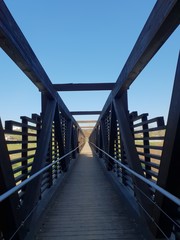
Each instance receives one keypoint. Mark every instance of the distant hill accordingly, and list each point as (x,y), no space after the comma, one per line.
(87,132)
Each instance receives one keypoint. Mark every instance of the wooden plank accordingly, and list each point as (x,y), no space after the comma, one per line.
(88,207)
(163,20)
(86,112)
(169,177)
(9,208)
(84,86)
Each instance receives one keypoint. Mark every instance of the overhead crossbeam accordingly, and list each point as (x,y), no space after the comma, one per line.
(86,113)
(87,121)
(84,86)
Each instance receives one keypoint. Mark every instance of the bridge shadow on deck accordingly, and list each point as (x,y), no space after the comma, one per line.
(87,207)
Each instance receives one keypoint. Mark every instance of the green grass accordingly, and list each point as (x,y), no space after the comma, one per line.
(18,146)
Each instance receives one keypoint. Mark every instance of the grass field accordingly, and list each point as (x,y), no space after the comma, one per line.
(18,155)
(87,132)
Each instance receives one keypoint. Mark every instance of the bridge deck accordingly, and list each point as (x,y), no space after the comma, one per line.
(87,207)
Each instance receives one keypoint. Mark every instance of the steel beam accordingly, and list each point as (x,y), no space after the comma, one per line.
(169,175)
(131,153)
(84,86)
(87,121)
(99,140)
(14,43)
(113,136)
(32,191)
(59,136)
(163,20)
(9,217)
(104,139)
(68,142)
(86,112)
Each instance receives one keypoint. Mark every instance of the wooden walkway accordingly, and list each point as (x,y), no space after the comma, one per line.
(88,207)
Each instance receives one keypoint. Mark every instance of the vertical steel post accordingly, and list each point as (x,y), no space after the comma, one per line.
(131,152)
(32,193)
(9,208)
(112,138)
(169,171)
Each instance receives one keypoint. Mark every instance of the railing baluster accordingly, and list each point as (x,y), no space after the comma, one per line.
(33,189)
(10,208)
(169,176)
(132,156)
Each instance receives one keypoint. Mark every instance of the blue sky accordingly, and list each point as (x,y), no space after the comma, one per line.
(81,41)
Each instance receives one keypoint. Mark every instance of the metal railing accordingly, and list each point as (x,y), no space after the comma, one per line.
(44,140)
(154,185)
(129,137)
(114,131)
(10,192)
(164,192)
(35,175)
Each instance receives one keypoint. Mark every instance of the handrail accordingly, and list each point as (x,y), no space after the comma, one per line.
(25,182)
(158,188)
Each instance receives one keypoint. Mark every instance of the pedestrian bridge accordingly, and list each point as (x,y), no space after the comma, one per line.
(121,182)
(88,207)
